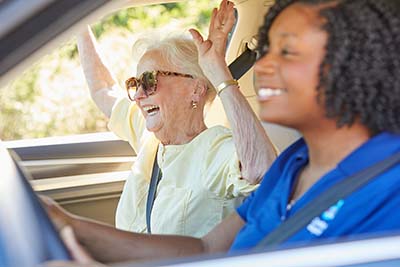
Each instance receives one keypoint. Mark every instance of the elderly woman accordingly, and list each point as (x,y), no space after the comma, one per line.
(331,70)
(205,171)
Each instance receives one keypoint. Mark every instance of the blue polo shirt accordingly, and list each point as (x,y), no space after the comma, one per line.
(374,208)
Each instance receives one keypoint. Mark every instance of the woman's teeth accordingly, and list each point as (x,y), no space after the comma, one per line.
(151,109)
(268,92)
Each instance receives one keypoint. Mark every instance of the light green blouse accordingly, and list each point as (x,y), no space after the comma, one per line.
(201,182)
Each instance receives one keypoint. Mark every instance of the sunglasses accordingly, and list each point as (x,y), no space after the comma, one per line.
(148,82)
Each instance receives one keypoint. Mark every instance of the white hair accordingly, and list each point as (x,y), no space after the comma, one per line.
(178,51)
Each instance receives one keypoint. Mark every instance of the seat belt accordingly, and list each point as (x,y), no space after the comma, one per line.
(151,196)
(324,201)
(238,68)
(245,61)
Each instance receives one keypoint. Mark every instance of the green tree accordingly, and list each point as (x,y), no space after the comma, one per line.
(51,98)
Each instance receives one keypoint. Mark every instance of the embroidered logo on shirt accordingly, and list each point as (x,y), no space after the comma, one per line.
(319,225)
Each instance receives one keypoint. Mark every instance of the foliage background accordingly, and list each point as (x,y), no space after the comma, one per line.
(51,98)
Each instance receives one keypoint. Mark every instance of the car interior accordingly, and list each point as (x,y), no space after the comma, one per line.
(85,173)
(30,244)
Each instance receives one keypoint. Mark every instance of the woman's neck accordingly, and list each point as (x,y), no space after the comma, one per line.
(327,147)
(182,133)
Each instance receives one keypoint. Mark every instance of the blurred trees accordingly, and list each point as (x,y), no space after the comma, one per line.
(51,98)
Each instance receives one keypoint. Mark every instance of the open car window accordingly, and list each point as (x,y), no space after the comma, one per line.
(46,114)
(50,97)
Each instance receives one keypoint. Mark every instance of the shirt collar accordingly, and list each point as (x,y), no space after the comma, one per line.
(375,149)
(301,154)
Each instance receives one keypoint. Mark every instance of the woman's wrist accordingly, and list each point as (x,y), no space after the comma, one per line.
(225,85)
(217,72)
(221,77)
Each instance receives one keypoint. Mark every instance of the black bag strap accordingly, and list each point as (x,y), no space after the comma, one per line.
(151,196)
(325,200)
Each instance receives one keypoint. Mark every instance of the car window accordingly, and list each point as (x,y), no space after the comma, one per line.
(51,97)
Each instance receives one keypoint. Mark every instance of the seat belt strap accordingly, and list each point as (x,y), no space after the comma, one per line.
(325,200)
(151,196)
(238,68)
(245,61)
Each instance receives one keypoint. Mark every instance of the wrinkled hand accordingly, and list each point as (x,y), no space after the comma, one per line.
(212,51)
(58,215)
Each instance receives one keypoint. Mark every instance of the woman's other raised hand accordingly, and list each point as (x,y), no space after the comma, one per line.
(212,50)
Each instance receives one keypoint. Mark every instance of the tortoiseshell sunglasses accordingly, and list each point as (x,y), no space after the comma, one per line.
(148,82)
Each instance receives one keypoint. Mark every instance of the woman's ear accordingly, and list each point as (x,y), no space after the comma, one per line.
(200,90)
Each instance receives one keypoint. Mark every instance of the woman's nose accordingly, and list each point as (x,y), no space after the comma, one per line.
(140,94)
(267,64)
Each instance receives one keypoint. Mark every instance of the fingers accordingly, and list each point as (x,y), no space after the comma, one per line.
(230,19)
(198,39)
(221,23)
(77,252)
(223,4)
(80,256)
(212,21)
(202,46)
(226,16)
(45,199)
(58,215)
(223,18)
(47,202)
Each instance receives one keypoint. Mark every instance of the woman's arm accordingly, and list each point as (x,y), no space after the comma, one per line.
(108,244)
(99,79)
(255,150)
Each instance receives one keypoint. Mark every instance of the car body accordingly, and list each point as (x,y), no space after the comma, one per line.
(86,172)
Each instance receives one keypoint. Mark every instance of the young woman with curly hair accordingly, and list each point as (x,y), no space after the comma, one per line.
(330,69)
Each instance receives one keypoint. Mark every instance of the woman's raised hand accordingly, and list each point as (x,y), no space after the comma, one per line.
(212,51)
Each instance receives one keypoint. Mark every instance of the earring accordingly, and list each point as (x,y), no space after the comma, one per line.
(194,104)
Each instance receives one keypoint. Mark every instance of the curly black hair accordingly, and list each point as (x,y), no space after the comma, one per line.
(362,58)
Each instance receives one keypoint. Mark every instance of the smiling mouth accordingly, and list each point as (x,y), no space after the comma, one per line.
(151,110)
(264,93)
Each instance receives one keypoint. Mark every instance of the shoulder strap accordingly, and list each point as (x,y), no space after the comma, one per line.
(245,61)
(155,179)
(238,67)
(331,196)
